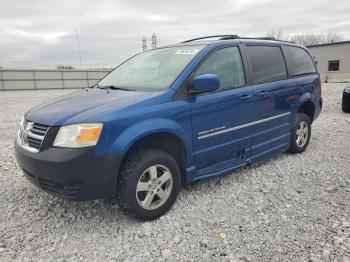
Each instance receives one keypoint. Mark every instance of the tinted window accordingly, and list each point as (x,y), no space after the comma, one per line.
(333,65)
(298,61)
(226,63)
(267,63)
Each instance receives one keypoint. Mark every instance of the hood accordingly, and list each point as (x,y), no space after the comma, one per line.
(82,106)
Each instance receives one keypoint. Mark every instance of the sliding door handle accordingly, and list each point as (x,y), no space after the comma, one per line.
(263,93)
(246,97)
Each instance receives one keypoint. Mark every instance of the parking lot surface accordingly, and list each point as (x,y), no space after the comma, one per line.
(290,208)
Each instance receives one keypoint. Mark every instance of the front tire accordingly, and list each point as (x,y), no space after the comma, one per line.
(149,183)
(300,133)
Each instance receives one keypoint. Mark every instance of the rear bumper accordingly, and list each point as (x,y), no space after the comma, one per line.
(76,174)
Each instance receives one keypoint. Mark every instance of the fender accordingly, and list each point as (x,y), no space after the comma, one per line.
(306,97)
(142,129)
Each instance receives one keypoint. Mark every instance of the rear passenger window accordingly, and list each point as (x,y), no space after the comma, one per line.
(267,63)
(298,61)
(227,64)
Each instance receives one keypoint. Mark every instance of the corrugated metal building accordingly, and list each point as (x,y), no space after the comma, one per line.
(333,61)
(13,79)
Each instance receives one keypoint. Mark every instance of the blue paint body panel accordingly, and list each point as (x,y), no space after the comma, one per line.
(220,131)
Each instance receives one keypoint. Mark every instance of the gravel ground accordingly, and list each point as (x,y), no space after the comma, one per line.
(291,208)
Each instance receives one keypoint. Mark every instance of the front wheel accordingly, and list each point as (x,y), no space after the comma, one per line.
(149,183)
(300,133)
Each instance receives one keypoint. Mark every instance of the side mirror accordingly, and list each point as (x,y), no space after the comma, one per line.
(204,83)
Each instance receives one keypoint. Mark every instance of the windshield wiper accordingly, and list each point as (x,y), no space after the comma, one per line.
(115,88)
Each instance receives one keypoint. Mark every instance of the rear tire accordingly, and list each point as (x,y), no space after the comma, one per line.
(149,183)
(300,133)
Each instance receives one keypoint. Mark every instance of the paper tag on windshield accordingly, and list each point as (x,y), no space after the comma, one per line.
(186,52)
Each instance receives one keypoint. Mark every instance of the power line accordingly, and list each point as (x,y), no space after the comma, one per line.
(154,41)
(144,44)
(76,34)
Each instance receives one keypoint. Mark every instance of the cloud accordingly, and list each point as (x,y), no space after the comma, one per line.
(41,34)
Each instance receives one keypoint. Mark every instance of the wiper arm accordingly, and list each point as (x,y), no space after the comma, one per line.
(115,88)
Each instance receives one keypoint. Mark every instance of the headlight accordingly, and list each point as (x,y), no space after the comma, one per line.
(79,135)
(347,89)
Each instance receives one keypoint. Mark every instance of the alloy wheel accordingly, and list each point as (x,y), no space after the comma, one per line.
(302,134)
(154,187)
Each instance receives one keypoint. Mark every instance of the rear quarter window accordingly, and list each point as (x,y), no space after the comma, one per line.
(267,63)
(298,61)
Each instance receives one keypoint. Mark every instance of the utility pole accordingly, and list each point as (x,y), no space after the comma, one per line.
(154,41)
(78,42)
(144,44)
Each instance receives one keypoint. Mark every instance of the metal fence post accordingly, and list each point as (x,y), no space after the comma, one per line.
(87,78)
(62,79)
(2,80)
(34,79)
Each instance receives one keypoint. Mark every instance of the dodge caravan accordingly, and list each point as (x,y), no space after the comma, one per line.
(171,116)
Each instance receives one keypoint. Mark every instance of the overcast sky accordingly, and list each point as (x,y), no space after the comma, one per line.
(41,33)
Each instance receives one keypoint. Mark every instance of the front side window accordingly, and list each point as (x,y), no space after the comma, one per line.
(267,63)
(154,70)
(227,64)
(298,61)
(333,65)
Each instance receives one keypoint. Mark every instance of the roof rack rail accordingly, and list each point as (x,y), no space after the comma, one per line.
(267,38)
(221,37)
(227,37)
(261,38)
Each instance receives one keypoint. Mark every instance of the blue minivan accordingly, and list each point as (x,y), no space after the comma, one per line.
(171,116)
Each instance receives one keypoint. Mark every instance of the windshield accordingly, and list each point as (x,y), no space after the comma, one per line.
(153,70)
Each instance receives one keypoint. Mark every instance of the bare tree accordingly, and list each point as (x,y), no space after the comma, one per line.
(315,39)
(65,67)
(277,34)
(307,39)
(332,37)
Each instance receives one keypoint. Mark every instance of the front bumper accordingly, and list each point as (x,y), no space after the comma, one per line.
(76,174)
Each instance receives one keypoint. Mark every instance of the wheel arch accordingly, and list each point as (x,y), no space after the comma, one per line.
(165,141)
(306,105)
(162,134)
(308,108)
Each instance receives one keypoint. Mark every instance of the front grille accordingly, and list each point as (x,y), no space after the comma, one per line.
(38,129)
(31,135)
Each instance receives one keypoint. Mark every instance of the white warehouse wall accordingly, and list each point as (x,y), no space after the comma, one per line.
(329,52)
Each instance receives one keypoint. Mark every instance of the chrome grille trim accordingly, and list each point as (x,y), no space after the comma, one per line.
(31,135)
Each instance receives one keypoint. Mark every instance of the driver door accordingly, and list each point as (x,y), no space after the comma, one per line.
(221,136)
